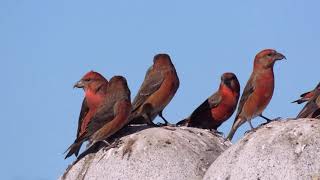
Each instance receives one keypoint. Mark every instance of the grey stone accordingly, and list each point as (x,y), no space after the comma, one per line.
(153,153)
(279,150)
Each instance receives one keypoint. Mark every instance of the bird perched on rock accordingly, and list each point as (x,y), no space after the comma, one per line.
(218,107)
(307,96)
(95,88)
(258,90)
(158,88)
(312,108)
(110,116)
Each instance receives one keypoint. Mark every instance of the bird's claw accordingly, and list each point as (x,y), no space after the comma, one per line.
(161,124)
(275,119)
(216,132)
(272,120)
(251,130)
(166,124)
(112,145)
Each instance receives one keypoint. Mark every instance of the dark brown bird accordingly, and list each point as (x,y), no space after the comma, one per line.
(110,116)
(218,107)
(158,88)
(312,108)
(95,88)
(258,90)
(306,96)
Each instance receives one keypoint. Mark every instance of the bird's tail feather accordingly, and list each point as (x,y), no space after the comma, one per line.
(237,123)
(73,149)
(299,101)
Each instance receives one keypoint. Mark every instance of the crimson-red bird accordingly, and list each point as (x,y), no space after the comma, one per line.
(307,96)
(312,108)
(158,88)
(110,116)
(95,88)
(258,90)
(218,107)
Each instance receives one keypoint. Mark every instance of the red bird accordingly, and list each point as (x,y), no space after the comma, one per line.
(307,96)
(258,90)
(158,88)
(218,107)
(95,87)
(312,108)
(110,116)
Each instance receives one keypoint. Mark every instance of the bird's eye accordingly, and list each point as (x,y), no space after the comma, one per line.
(87,79)
(270,54)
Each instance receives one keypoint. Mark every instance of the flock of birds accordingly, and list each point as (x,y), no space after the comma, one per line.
(107,107)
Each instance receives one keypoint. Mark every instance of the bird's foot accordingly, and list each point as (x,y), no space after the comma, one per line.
(161,124)
(251,131)
(154,125)
(216,132)
(112,145)
(106,142)
(166,124)
(276,119)
(269,121)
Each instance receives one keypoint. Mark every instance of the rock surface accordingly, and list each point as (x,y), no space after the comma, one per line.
(280,150)
(153,153)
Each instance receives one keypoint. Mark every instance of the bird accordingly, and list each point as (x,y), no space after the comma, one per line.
(110,117)
(306,96)
(312,108)
(258,90)
(95,88)
(160,84)
(115,112)
(218,107)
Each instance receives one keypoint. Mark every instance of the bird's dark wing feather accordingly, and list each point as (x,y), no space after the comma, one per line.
(151,83)
(304,94)
(208,104)
(83,112)
(104,115)
(308,110)
(311,109)
(248,90)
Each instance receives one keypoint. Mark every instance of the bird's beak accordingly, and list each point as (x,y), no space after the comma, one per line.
(279,56)
(79,84)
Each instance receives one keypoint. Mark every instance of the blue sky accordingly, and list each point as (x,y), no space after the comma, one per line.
(46,46)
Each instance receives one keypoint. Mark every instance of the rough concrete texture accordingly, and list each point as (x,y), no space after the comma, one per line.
(280,150)
(153,153)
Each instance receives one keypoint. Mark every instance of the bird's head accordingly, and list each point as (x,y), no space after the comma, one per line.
(162,60)
(91,81)
(231,81)
(118,84)
(266,58)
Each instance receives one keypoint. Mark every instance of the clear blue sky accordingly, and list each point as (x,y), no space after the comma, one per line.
(46,46)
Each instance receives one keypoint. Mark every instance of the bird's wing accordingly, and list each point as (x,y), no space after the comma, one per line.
(208,104)
(103,115)
(121,111)
(83,112)
(248,90)
(151,84)
(308,110)
(311,109)
(307,94)
(304,97)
